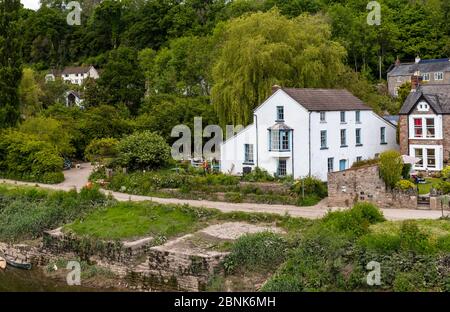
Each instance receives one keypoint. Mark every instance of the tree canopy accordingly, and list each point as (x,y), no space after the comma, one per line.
(259,50)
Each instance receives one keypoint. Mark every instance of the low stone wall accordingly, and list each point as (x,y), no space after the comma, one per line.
(171,269)
(345,188)
(116,251)
(23,253)
(266,187)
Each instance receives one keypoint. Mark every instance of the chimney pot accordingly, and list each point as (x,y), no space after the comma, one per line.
(275,88)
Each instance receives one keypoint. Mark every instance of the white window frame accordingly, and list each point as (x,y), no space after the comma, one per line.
(249,154)
(323,139)
(426,77)
(383,135)
(358,116)
(439,76)
(358,136)
(330,164)
(323,116)
(343,137)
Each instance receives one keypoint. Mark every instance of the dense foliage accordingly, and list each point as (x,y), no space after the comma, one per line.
(26,212)
(334,253)
(143,150)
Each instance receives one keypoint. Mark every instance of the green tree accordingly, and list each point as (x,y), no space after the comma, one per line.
(143,150)
(53,92)
(263,49)
(391,166)
(49,130)
(122,80)
(182,68)
(10,62)
(30,94)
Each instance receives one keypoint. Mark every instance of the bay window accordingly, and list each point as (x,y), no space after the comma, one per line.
(280,140)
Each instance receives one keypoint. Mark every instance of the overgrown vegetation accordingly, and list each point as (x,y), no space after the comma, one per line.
(193,183)
(333,254)
(26,212)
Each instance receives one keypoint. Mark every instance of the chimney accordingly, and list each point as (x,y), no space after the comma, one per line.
(415,82)
(397,62)
(417,59)
(275,88)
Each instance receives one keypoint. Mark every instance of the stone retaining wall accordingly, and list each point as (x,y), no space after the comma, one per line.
(116,251)
(365,184)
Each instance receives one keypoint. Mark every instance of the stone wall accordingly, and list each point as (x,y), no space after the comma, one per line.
(122,252)
(403,134)
(345,188)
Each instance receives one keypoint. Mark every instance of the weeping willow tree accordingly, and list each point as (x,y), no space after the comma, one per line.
(262,49)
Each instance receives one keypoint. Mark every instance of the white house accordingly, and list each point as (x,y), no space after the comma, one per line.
(73,98)
(74,75)
(304,132)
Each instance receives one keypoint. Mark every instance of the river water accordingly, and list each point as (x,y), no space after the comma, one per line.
(13,279)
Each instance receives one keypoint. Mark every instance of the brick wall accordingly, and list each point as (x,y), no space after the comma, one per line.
(345,188)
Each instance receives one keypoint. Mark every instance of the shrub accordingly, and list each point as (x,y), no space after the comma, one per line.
(101,150)
(310,186)
(446,173)
(143,150)
(258,175)
(406,171)
(308,200)
(233,197)
(413,239)
(25,156)
(443,186)
(383,243)
(354,222)
(391,167)
(405,185)
(256,252)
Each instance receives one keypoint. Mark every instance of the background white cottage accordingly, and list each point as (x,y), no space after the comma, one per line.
(304,132)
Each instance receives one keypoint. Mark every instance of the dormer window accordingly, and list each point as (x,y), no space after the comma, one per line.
(423,107)
(280,113)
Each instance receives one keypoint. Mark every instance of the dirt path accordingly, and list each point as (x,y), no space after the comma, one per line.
(77,178)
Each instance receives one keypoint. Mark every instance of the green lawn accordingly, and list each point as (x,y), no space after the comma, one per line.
(425,188)
(128,220)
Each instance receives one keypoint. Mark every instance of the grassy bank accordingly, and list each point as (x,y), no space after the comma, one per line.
(332,255)
(26,212)
(137,219)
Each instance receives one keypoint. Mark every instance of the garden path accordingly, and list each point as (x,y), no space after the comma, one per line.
(77,178)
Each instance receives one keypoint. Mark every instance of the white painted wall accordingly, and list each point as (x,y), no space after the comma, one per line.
(232,152)
(298,158)
(370,125)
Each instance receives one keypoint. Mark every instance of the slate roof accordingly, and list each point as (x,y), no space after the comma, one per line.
(424,66)
(438,96)
(75,70)
(326,99)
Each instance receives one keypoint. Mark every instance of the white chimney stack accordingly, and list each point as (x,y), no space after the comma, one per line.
(417,59)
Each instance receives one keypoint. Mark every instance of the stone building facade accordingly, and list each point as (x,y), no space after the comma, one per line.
(424,127)
(434,71)
(345,188)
